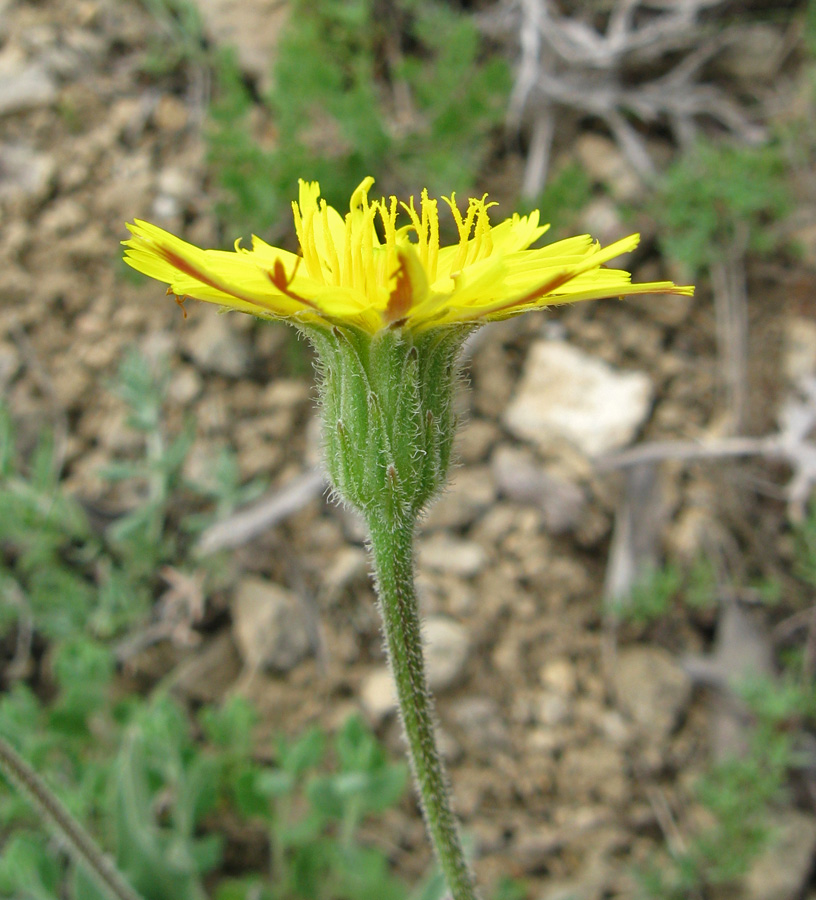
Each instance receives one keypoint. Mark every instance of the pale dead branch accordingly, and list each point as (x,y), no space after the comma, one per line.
(793,444)
(564,61)
(247,524)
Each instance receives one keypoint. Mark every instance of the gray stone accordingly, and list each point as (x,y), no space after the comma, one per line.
(23,85)
(520,478)
(568,397)
(469,494)
(447,647)
(606,164)
(269,626)
(652,689)
(24,172)
(217,347)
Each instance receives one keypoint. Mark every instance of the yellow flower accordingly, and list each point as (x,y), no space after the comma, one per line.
(366,271)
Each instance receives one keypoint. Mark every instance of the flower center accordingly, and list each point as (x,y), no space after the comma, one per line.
(392,267)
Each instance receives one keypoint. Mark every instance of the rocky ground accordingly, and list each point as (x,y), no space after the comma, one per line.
(573,743)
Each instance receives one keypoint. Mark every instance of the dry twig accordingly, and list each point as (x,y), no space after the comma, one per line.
(248,523)
(564,61)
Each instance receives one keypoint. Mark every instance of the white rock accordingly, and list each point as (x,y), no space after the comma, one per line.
(567,396)
(446,651)
(269,626)
(799,353)
(23,85)
(441,553)
(378,695)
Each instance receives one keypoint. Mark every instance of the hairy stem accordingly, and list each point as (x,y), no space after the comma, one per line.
(392,550)
(78,842)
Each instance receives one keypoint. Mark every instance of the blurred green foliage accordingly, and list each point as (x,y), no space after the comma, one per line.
(179,40)
(408,96)
(739,795)
(156,787)
(566,194)
(720,196)
(58,572)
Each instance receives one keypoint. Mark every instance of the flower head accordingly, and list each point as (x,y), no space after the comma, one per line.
(367,270)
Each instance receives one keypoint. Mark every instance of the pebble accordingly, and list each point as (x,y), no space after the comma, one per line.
(595,771)
(208,672)
(251,28)
(602,219)
(23,85)
(481,718)
(605,163)
(217,347)
(559,675)
(652,689)
(24,172)
(568,397)
(62,217)
(348,571)
(474,440)
(441,553)
(470,492)
(175,187)
(9,363)
(378,695)
(269,626)
(520,478)
(447,647)
(185,385)
(799,349)
(553,709)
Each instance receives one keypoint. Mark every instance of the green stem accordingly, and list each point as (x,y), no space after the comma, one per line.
(392,550)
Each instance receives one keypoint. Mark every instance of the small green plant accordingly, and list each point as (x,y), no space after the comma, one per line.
(141,536)
(312,817)
(720,196)
(180,40)
(47,547)
(805,547)
(738,794)
(417,101)
(58,573)
(652,597)
(155,789)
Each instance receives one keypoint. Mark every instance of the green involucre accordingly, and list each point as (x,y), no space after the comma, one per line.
(387,402)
